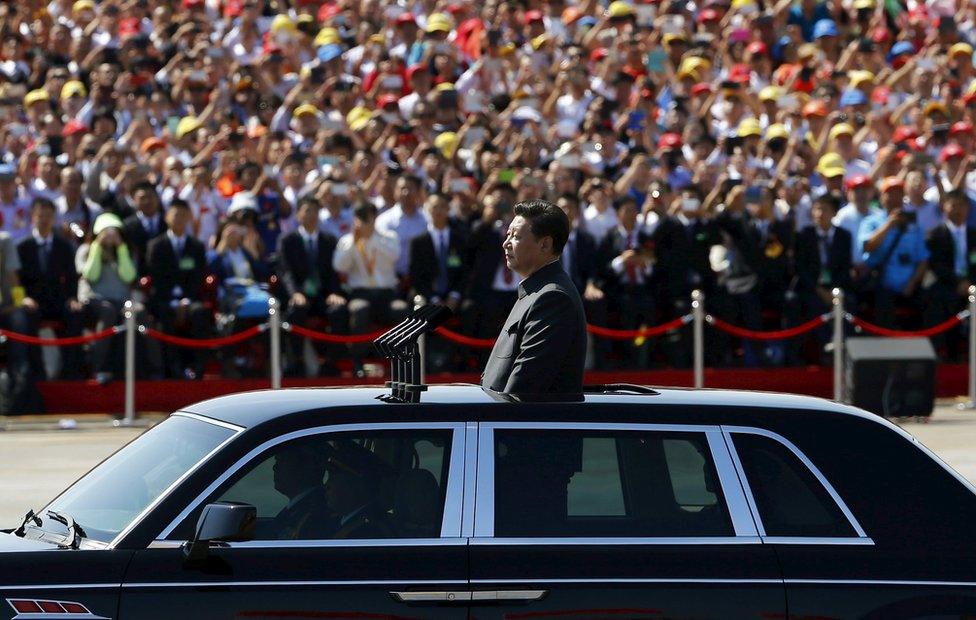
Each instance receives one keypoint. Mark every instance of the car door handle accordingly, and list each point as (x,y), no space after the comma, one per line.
(462,596)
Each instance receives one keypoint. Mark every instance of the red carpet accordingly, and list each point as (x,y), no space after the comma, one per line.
(170,395)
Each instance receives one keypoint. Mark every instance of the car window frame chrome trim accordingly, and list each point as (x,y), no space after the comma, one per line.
(235,433)
(743,523)
(470,482)
(861,535)
(451,520)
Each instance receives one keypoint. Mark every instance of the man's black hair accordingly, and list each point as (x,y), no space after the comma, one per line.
(41,201)
(546,220)
(308,199)
(365,211)
(179,203)
(956,194)
(146,185)
(830,200)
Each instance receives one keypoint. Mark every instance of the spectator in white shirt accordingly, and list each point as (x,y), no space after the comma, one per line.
(405,219)
(599,217)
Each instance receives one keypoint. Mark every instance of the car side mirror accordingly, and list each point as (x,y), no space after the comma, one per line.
(223,521)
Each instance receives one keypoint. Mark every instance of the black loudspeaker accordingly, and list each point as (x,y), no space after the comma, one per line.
(892,377)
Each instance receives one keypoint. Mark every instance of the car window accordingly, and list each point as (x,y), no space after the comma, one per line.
(382,484)
(606,484)
(789,498)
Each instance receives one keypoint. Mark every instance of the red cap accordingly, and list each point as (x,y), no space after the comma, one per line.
(903,133)
(412,70)
(454,8)
(891,183)
(708,15)
(880,34)
(961,127)
(384,100)
(880,95)
(951,150)
(405,18)
(858,180)
(740,73)
(328,11)
(192,4)
(757,48)
(815,107)
(533,16)
(150,144)
(74,127)
(919,13)
(129,27)
(598,54)
(669,141)
(233,8)
(701,87)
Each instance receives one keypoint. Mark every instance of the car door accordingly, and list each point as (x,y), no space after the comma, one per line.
(615,520)
(353,521)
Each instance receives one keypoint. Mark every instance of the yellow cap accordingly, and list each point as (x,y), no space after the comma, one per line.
(619,8)
(72,88)
(749,127)
(807,50)
(857,77)
(738,4)
(187,125)
(863,4)
(770,93)
(674,36)
(446,142)
(935,106)
(841,129)
(539,41)
(831,165)
(444,86)
(282,23)
(687,72)
(379,37)
(36,96)
(82,5)
(305,108)
(964,49)
(777,130)
(327,36)
(357,117)
(438,22)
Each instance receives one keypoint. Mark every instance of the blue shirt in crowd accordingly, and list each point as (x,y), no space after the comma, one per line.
(903,260)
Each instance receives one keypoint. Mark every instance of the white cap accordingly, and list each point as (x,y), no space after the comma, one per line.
(242,201)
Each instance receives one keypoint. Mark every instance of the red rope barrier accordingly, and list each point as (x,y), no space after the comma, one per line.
(877,330)
(60,342)
(480,343)
(204,343)
(780,334)
(335,338)
(644,332)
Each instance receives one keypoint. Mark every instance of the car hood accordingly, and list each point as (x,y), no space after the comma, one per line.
(9,542)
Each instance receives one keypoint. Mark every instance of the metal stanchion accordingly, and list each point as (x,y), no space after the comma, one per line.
(420,302)
(274,324)
(698,315)
(971,403)
(838,343)
(129,313)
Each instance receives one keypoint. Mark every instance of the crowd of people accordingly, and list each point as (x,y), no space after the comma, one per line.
(346,156)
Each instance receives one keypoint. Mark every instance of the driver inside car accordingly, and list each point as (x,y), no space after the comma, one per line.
(298,473)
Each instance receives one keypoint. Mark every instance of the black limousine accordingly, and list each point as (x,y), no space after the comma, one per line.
(630,503)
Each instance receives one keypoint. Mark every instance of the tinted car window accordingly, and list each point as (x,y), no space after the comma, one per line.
(790,499)
(384,484)
(606,484)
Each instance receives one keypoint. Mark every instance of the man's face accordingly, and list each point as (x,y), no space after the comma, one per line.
(145,202)
(957,210)
(406,194)
(308,216)
(439,212)
(42,217)
(524,252)
(894,198)
(821,214)
(71,182)
(177,219)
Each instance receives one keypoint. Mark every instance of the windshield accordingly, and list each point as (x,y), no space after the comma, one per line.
(110,496)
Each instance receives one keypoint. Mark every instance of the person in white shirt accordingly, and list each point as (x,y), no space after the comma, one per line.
(367,257)
(405,219)
(599,218)
(73,208)
(850,216)
(207,205)
(14,205)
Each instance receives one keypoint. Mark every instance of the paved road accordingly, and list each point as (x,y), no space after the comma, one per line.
(35,465)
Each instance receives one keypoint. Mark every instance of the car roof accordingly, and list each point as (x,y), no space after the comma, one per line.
(249,409)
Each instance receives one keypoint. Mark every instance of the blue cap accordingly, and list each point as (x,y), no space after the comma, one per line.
(824,28)
(852,96)
(329,52)
(900,49)
(587,21)
(7,172)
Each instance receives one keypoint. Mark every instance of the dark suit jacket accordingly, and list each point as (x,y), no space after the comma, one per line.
(612,246)
(942,256)
(773,258)
(682,253)
(424,267)
(138,239)
(542,346)
(294,265)
(222,268)
(51,289)
(808,266)
(484,256)
(309,519)
(167,271)
(582,259)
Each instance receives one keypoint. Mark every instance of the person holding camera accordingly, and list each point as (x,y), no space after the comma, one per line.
(894,249)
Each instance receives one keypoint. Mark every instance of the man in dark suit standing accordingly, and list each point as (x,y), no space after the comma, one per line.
(310,285)
(542,346)
(47,273)
(437,269)
(176,262)
(145,225)
(822,263)
(952,267)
